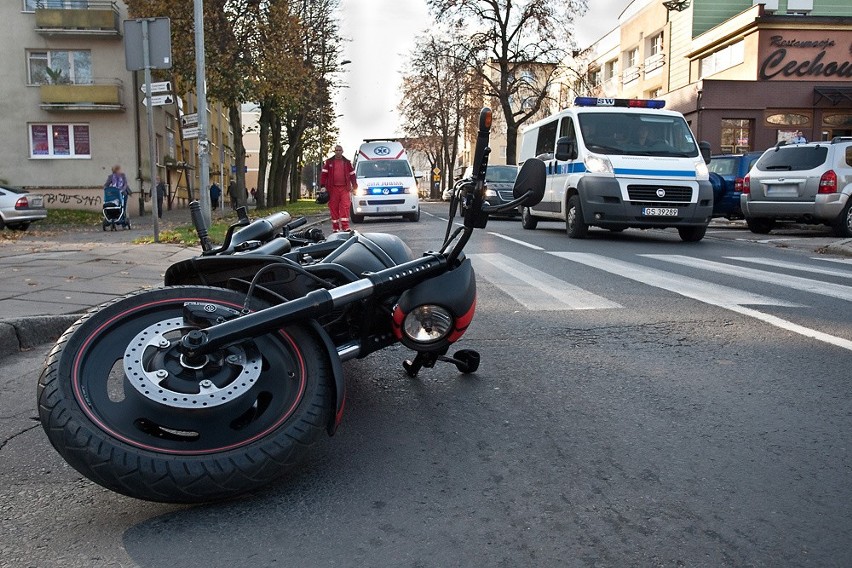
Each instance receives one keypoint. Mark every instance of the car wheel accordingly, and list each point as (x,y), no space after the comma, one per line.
(691,234)
(20,227)
(843,224)
(413,217)
(2,224)
(574,224)
(527,219)
(760,226)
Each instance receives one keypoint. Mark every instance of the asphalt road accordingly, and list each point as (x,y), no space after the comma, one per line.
(689,408)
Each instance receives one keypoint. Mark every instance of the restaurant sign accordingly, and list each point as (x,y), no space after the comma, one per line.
(807,56)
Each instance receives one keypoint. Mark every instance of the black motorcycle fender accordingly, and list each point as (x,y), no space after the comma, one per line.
(339,380)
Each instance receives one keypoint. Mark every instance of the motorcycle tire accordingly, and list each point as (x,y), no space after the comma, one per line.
(123,408)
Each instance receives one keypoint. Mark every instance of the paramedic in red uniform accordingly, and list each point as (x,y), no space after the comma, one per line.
(338,177)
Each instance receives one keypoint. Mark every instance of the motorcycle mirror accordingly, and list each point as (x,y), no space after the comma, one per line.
(532,177)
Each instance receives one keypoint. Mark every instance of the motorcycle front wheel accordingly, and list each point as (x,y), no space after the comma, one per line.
(123,406)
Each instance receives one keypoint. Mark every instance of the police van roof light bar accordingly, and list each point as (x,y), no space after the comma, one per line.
(631,103)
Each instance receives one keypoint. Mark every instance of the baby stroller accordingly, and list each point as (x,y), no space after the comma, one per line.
(115,209)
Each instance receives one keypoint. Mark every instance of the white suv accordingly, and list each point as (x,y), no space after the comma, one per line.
(805,183)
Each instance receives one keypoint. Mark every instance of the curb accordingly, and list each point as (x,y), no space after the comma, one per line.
(21,334)
(843,247)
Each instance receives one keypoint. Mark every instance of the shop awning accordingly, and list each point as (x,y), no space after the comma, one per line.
(835,95)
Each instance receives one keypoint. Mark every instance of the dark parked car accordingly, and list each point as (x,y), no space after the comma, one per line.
(729,170)
(18,208)
(499,181)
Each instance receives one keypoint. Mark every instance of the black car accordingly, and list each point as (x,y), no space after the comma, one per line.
(726,175)
(499,181)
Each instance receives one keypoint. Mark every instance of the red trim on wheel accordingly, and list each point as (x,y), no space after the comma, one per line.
(78,394)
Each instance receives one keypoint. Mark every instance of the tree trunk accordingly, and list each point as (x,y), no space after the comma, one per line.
(264,124)
(236,117)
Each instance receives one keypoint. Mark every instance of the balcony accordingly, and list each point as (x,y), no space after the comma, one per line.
(77,18)
(100,96)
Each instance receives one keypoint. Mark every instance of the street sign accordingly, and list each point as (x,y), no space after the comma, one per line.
(159,100)
(189,119)
(436,171)
(159,42)
(191,132)
(161,87)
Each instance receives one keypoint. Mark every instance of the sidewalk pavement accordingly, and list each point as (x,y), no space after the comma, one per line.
(48,278)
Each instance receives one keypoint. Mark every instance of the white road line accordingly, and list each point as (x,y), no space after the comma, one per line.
(516,241)
(838,260)
(793,266)
(795,282)
(715,294)
(795,328)
(535,290)
(692,288)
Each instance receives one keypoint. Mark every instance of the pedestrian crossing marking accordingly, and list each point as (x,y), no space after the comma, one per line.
(809,268)
(795,282)
(534,289)
(707,292)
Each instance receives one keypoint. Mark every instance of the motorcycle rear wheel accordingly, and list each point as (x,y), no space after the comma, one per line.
(123,408)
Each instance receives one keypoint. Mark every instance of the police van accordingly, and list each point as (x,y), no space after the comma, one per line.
(386,184)
(620,163)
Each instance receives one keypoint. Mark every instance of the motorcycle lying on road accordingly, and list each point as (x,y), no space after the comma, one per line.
(218,382)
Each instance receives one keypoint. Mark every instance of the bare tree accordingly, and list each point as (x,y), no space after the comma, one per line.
(438,98)
(515,49)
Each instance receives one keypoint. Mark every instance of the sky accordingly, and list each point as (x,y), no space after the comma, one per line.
(380,36)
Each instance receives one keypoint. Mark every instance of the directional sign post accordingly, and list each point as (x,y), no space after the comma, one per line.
(190,132)
(159,100)
(152,39)
(161,87)
(189,120)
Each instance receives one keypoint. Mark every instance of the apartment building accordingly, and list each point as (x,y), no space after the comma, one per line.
(70,110)
(745,73)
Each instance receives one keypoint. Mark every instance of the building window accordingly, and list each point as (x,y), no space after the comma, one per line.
(655,44)
(723,59)
(595,77)
(610,69)
(788,119)
(736,135)
(655,58)
(59,141)
(59,67)
(631,65)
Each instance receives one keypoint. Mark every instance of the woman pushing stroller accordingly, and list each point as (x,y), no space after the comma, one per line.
(116,191)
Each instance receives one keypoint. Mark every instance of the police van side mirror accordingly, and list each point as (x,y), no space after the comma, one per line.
(566,149)
(705,149)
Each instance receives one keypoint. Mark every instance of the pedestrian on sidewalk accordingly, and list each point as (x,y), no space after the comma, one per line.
(215,194)
(161,195)
(338,178)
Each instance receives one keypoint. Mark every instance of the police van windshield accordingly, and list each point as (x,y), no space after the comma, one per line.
(382,169)
(638,134)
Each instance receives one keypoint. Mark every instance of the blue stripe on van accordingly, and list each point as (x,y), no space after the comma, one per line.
(661,173)
(572,168)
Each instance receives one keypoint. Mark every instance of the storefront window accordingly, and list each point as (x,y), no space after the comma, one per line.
(837,120)
(788,119)
(736,135)
(59,141)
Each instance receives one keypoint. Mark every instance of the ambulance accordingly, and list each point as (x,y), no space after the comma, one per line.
(386,184)
(620,163)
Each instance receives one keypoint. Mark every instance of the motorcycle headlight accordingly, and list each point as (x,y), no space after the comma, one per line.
(427,324)
(596,164)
